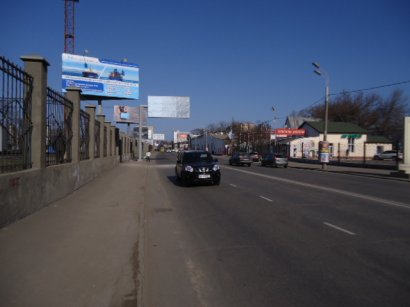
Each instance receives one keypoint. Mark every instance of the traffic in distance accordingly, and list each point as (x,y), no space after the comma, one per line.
(389,155)
(199,166)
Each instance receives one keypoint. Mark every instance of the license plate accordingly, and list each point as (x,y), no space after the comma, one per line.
(204,176)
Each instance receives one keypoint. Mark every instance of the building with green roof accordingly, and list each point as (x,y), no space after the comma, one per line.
(346,140)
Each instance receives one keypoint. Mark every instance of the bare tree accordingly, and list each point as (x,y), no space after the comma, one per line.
(380,116)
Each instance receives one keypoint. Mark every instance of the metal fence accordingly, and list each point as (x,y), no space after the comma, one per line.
(15,117)
(84,135)
(97,139)
(59,131)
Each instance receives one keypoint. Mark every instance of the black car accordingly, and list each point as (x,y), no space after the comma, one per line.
(274,159)
(240,158)
(197,166)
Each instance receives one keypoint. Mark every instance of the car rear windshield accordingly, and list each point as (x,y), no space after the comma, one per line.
(280,156)
(195,157)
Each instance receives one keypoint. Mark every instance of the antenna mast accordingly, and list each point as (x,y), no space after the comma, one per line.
(69,6)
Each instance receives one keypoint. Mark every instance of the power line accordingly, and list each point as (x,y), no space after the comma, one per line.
(360,90)
(374,88)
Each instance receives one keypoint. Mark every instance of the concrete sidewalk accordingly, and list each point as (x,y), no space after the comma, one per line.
(81,250)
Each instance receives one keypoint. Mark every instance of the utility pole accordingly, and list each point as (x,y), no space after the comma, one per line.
(324,149)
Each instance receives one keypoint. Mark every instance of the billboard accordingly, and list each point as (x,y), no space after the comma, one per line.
(144,135)
(158,137)
(101,78)
(130,115)
(147,132)
(180,137)
(288,132)
(168,106)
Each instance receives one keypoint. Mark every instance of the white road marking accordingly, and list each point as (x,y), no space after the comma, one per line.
(339,228)
(265,198)
(322,188)
(233,185)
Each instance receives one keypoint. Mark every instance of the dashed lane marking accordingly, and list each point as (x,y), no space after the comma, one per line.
(339,228)
(327,189)
(265,198)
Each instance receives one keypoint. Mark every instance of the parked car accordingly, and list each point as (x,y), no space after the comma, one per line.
(197,166)
(388,155)
(254,156)
(240,158)
(274,159)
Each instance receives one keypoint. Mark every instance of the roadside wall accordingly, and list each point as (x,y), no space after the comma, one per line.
(23,193)
(90,144)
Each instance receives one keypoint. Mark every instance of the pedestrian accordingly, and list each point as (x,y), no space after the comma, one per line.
(148,156)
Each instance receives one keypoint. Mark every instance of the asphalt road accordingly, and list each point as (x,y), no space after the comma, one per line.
(275,237)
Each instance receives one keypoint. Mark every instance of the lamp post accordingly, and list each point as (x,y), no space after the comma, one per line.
(206,139)
(274,129)
(321,72)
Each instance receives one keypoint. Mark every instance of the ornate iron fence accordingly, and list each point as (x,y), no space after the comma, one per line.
(59,130)
(16,88)
(84,135)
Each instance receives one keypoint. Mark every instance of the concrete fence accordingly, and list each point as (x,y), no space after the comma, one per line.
(95,146)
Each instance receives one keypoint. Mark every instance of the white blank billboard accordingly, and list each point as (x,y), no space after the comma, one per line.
(168,106)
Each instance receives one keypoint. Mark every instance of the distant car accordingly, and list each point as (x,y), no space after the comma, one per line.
(240,158)
(388,155)
(275,160)
(254,156)
(197,166)
(169,150)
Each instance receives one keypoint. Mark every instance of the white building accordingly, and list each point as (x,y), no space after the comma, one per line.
(216,144)
(346,141)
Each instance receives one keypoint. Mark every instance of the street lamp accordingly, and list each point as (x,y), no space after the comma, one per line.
(321,72)
(274,129)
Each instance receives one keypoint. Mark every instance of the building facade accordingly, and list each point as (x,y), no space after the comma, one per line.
(217,144)
(346,140)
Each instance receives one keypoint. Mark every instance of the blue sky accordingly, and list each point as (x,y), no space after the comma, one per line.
(235,59)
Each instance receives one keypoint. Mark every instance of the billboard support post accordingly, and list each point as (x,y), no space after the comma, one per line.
(99,110)
(139,135)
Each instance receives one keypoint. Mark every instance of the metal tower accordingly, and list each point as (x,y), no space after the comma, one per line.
(69,26)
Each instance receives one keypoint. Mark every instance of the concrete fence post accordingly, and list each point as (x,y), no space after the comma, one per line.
(101,118)
(113,151)
(37,67)
(107,125)
(91,146)
(73,94)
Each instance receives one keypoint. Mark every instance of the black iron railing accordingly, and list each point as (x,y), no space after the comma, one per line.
(84,135)
(16,88)
(58,128)
(97,139)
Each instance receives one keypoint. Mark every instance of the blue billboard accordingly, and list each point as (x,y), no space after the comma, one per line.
(101,78)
